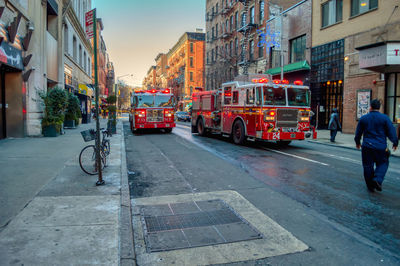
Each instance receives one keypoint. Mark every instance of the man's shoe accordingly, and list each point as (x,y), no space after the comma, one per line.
(371,188)
(377,185)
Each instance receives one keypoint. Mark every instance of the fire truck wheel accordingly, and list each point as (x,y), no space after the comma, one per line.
(200,127)
(238,132)
(283,143)
(167,130)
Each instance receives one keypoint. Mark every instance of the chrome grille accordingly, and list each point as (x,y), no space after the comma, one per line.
(154,115)
(287,118)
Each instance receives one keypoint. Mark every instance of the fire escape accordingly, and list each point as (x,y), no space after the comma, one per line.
(245,29)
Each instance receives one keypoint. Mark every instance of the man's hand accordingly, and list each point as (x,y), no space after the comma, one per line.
(394,148)
(358,146)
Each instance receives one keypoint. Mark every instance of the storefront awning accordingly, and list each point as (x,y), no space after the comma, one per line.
(298,66)
(85,90)
(383,57)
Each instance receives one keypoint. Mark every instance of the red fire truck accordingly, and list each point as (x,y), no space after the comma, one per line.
(152,109)
(254,108)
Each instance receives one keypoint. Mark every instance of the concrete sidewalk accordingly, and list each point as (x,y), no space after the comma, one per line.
(343,140)
(67,220)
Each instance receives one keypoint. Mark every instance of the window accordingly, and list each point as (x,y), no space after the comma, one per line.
(191,47)
(231,23)
(80,55)
(298,49)
(227,95)
(235,97)
(236,46)
(212,55)
(84,61)
(216,8)
(362,6)
(216,52)
(212,31)
(331,12)
(89,66)
(207,58)
(251,52)
(230,48)
(274,96)
(243,19)
(66,39)
(261,11)
(250,96)
(274,58)
(191,76)
(216,31)
(393,97)
(298,97)
(260,48)
(191,61)
(74,49)
(252,15)
(236,20)
(226,50)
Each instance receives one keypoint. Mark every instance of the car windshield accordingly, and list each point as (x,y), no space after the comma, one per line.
(144,101)
(164,101)
(274,96)
(298,97)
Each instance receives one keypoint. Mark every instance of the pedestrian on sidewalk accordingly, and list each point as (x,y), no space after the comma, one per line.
(375,127)
(334,124)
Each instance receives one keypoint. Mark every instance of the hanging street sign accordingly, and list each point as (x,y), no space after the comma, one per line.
(89,29)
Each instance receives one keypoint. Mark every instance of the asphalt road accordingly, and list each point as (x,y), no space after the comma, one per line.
(315,191)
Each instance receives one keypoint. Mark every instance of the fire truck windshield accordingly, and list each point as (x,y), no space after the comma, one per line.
(164,101)
(298,97)
(144,101)
(274,96)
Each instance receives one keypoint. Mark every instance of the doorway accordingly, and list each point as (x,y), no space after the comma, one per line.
(331,97)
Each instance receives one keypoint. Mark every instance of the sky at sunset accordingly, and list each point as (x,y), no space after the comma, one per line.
(135,31)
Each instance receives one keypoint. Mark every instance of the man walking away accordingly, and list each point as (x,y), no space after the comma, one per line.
(375,127)
(334,124)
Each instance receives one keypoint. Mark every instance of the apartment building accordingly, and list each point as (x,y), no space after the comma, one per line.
(78,55)
(161,70)
(355,57)
(149,82)
(233,30)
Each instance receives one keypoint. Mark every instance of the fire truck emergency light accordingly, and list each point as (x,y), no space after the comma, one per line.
(166,91)
(263,80)
(298,82)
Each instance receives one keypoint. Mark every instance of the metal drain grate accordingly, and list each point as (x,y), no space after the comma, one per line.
(193,224)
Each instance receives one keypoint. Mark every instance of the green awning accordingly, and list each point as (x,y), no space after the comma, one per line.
(301,65)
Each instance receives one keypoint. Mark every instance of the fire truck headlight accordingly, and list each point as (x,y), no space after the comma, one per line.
(140,113)
(269,116)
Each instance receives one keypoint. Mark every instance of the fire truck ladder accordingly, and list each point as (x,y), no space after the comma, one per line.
(245,31)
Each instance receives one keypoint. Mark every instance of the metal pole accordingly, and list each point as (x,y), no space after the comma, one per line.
(281,44)
(100,180)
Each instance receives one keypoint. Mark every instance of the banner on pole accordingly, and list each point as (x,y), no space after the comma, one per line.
(89,20)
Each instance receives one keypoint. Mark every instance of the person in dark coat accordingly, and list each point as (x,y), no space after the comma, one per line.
(374,128)
(334,124)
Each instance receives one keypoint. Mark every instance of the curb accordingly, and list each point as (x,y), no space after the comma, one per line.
(126,248)
(339,146)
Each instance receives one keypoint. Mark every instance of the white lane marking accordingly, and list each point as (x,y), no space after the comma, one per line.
(296,156)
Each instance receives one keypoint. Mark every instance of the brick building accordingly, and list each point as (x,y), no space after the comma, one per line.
(161,70)
(149,81)
(354,59)
(186,65)
(232,37)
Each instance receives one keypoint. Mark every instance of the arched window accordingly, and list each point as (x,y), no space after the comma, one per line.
(66,38)
(74,48)
(80,55)
(84,61)
(89,71)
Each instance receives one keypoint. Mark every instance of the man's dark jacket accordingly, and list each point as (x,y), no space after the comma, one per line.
(375,127)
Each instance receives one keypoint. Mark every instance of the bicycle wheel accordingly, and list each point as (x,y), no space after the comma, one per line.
(87,160)
(106,147)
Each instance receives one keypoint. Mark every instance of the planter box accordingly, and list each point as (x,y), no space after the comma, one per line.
(50,131)
(69,124)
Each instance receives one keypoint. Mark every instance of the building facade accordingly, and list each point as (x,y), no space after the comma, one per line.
(149,81)
(354,59)
(233,30)
(161,70)
(78,55)
(186,65)
(31,62)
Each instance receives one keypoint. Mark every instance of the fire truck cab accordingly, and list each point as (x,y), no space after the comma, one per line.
(255,108)
(152,109)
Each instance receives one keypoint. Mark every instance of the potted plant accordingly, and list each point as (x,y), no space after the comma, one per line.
(55,102)
(112,114)
(73,112)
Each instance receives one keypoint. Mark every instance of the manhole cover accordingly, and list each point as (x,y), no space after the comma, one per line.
(193,224)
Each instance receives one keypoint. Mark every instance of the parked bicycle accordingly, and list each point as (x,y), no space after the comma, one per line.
(87,157)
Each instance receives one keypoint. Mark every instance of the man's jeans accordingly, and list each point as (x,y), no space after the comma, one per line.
(333,135)
(371,157)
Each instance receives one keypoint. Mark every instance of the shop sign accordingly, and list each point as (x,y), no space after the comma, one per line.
(388,54)
(89,20)
(10,53)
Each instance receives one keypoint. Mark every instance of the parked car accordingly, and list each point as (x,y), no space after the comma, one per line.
(182,116)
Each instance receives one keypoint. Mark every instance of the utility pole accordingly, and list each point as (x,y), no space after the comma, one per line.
(281,17)
(100,180)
